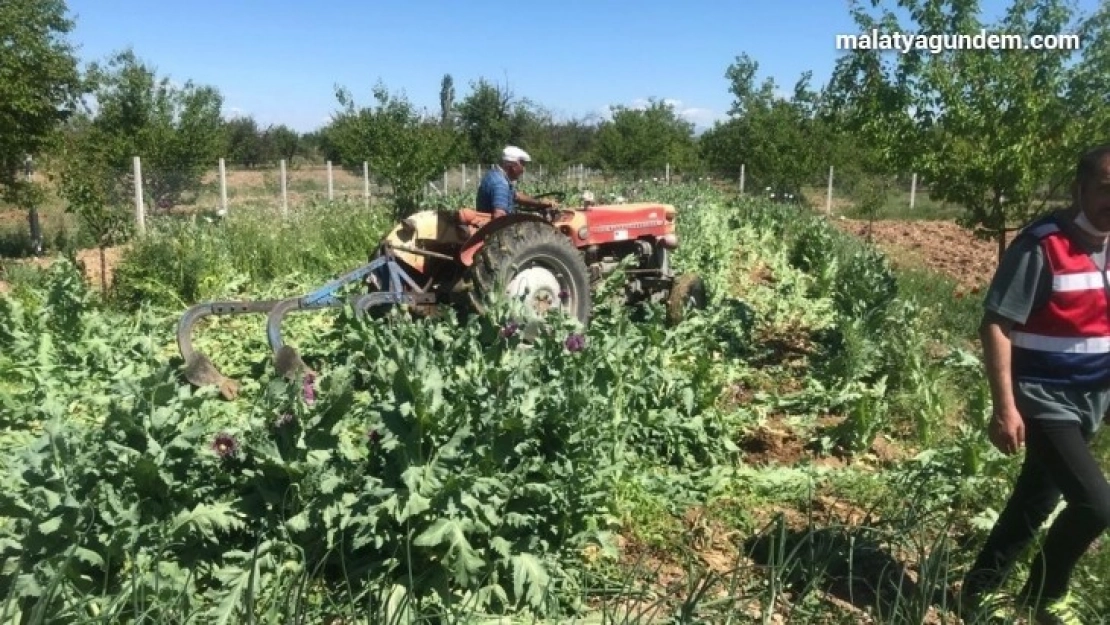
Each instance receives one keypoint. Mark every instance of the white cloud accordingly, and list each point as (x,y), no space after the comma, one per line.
(700,116)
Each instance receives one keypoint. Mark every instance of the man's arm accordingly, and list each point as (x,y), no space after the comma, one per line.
(1020,286)
(1006,429)
(531,202)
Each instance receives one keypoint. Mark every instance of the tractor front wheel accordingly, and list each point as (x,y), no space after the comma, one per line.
(687,293)
(534,262)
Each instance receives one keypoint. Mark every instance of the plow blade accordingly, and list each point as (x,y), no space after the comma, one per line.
(200,371)
(287,361)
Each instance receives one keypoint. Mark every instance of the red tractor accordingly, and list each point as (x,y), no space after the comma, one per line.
(548,258)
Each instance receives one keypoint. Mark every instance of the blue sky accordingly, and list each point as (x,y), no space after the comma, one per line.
(280,60)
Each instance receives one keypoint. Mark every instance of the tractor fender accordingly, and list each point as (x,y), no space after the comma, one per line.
(478,239)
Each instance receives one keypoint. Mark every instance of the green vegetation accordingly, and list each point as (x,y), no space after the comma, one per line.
(814,434)
(392,139)
(993,131)
(39,81)
(810,446)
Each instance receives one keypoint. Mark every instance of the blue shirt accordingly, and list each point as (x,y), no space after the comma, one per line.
(495,192)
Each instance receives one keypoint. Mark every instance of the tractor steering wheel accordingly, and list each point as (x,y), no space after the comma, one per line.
(560,196)
(548,213)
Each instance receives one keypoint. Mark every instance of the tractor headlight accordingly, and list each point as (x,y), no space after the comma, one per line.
(669,241)
(583,233)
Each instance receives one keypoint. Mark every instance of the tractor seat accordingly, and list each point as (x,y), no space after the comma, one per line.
(473,217)
(470,220)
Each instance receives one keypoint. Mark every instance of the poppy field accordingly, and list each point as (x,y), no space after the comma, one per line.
(809,448)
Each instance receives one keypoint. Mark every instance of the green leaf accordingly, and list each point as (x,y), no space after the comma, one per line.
(207,519)
(298,523)
(529,571)
(50,526)
(440,531)
(27,586)
(415,505)
(330,483)
(501,546)
(88,556)
(461,558)
(688,400)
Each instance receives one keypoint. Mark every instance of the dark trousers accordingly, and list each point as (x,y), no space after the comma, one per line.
(1058,462)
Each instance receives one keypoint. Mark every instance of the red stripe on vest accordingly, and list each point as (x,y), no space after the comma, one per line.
(1079,313)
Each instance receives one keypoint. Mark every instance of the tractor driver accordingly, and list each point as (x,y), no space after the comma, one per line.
(497,193)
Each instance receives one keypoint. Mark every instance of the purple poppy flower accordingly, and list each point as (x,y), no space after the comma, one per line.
(309,389)
(374,437)
(283,420)
(509,329)
(225,445)
(575,343)
(564,296)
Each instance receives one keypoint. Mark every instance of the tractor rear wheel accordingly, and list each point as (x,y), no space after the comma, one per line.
(532,261)
(687,292)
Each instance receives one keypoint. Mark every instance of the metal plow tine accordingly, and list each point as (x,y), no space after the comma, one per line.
(363,303)
(200,371)
(287,361)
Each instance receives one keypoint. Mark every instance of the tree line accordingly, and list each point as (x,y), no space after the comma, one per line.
(994,131)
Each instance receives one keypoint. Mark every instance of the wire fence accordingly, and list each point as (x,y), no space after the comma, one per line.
(146,191)
(224,189)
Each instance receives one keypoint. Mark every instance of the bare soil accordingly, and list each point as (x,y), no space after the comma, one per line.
(857,572)
(88,259)
(941,246)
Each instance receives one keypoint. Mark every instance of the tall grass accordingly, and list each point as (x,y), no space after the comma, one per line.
(182,261)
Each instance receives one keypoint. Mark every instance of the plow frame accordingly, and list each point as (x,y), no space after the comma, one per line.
(199,369)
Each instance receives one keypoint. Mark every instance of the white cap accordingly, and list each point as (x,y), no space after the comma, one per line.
(514,154)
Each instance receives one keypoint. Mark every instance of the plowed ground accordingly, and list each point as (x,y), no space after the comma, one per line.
(940,246)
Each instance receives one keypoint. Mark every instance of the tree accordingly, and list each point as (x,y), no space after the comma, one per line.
(284,142)
(245,143)
(571,139)
(530,127)
(399,144)
(485,116)
(447,100)
(870,104)
(39,86)
(780,141)
(995,131)
(177,131)
(640,141)
(90,189)
(318,145)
